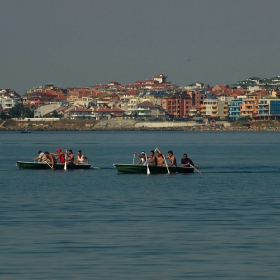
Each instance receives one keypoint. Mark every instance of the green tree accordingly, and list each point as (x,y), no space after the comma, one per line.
(55,114)
(3,116)
(19,111)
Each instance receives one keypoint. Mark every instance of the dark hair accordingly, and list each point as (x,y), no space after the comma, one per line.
(152,151)
(46,152)
(70,151)
(79,151)
(170,152)
(185,155)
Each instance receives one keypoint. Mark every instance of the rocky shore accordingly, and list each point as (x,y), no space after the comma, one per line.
(132,125)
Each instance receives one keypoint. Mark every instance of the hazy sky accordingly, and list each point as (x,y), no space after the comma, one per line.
(84,42)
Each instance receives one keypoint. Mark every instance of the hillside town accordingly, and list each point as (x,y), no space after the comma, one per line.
(154,99)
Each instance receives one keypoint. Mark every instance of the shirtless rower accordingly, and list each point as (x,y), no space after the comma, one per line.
(152,159)
(50,159)
(160,158)
(172,159)
(70,157)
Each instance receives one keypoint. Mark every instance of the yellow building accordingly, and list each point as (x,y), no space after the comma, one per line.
(214,108)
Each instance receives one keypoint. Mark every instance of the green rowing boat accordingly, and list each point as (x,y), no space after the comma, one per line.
(44,165)
(142,169)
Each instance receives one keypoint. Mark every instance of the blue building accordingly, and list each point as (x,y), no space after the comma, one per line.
(234,109)
(268,108)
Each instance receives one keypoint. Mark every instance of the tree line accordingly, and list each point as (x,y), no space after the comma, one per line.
(18,111)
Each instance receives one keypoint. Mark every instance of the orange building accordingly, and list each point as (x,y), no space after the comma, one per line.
(250,105)
(182,104)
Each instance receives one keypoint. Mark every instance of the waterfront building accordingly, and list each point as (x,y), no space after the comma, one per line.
(234,108)
(182,104)
(80,114)
(249,107)
(147,109)
(8,99)
(214,108)
(269,108)
(104,113)
(43,110)
(178,105)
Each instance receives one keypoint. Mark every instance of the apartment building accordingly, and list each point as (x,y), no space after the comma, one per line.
(269,108)
(214,108)
(249,107)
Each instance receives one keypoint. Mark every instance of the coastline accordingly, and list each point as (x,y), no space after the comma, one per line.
(132,125)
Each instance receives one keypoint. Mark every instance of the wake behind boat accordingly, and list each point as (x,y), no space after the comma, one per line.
(142,169)
(44,165)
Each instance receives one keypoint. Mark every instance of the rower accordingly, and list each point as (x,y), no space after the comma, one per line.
(81,158)
(152,159)
(142,157)
(172,159)
(187,162)
(50,158)
(40,157)
(70,157)
(160,158)
(60,155)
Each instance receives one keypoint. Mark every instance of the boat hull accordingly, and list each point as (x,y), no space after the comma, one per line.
(43,165)
(142,169)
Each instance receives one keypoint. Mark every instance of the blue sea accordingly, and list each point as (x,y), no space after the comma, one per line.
(223,223)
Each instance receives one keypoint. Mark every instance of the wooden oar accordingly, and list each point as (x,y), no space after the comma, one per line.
(48,164)
(148,169)
(195,168)
(65,163)
(166,164)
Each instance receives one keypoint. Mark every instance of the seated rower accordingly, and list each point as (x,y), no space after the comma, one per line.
(81,158)
(60,155)
(50,159)
(172,159)
(41,156)
(186,162)
(142,157)
(70,157)
(160,158)
(152,159)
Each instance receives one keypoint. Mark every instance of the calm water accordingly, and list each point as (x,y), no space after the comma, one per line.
(97,224)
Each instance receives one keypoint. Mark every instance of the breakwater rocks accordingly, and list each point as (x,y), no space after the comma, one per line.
(132,125)
(67,125)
